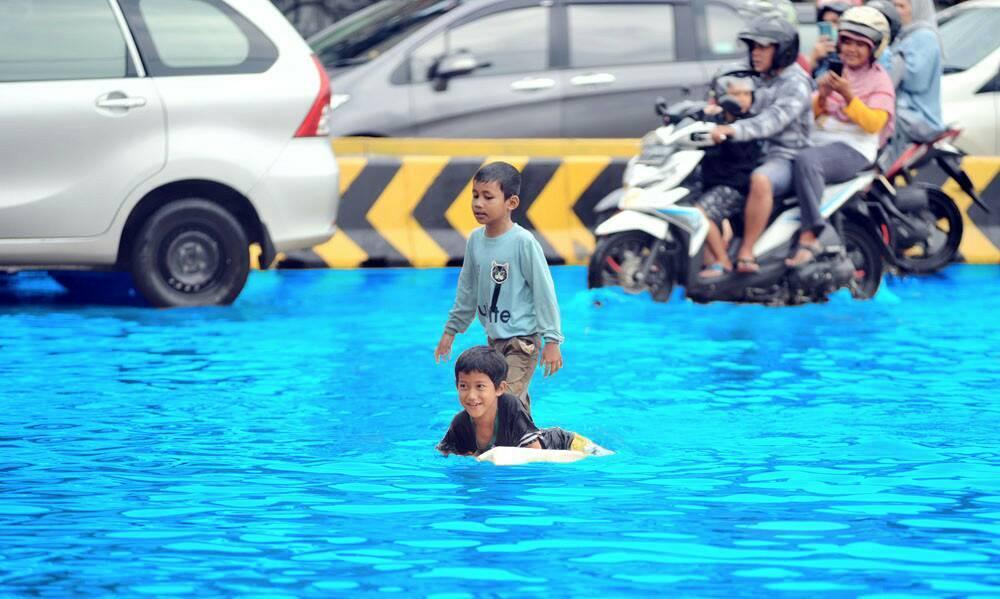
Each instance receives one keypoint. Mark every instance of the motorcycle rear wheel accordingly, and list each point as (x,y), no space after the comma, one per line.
(947,231)
(619,257)
(865,253)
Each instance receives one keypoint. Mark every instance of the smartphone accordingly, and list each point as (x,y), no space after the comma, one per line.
(826,28)
(836,65)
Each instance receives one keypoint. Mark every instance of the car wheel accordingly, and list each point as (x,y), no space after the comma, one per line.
(190,252)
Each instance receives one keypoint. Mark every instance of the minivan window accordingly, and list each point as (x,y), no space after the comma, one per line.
(45,40)
(369,32)
(724,25)
(197,37)
(968,37)
(512,41)
(620,34)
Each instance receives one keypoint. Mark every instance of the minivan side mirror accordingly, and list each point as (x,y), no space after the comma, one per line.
(454,65)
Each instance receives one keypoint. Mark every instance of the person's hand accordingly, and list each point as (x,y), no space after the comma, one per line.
(443,351)
(712,109)
(551,358)
(840,85)
(823,85)
(824,46)
(721,133)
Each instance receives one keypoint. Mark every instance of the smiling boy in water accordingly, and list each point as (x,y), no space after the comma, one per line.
(506,280)
(491,417)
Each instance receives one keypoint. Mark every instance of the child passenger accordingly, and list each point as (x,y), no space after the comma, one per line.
(726,168)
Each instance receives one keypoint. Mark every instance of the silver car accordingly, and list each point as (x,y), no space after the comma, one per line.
(162,137)
(521,68)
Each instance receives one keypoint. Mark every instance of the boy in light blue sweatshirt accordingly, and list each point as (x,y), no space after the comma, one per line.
(506,281)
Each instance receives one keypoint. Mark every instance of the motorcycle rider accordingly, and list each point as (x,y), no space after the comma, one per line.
(853,117)
(783,121)
(726,168)
(915,68)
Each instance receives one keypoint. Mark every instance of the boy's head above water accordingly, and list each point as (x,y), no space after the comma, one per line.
(480,377)
(495,190)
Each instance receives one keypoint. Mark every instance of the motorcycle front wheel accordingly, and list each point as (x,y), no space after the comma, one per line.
(940,248)
(620,260)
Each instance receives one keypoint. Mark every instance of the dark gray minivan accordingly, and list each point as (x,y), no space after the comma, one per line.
(521,68)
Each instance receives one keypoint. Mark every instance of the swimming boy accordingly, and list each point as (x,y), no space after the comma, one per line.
(506,281)
(491,417)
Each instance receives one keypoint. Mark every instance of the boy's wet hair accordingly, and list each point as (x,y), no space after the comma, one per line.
(504,175)
(485,360)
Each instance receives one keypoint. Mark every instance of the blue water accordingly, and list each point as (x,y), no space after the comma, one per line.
(284,446)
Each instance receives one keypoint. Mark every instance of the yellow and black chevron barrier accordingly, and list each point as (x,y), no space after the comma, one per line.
(399,207)
(407,202)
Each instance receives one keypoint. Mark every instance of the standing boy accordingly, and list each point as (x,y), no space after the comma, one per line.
(506,281)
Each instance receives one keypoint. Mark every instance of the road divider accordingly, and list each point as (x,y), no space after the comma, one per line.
(407,202)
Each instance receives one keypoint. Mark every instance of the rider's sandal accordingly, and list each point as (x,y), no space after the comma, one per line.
(806,253)
(714,271)
(747,265)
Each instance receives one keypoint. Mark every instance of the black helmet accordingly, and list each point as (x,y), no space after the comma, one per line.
(766,31)
(888,10)
(835,6)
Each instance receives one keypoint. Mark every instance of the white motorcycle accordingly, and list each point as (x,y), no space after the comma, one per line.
(655,238)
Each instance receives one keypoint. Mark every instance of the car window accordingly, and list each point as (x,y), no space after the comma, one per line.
(620,34)
(372,31)
(60,39)
(508,42)
(723,25)
(197,37)
(968,37)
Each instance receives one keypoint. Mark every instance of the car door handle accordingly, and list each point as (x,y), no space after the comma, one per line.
(593,79)
(532,84)
(120,100)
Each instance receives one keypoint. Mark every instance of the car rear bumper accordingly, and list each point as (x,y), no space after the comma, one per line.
(301,193)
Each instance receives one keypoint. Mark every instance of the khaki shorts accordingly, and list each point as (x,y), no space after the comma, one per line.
(522,359)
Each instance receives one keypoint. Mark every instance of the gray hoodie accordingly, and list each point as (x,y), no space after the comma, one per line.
(783,108)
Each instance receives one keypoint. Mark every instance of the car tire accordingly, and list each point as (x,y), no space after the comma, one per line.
(190,252)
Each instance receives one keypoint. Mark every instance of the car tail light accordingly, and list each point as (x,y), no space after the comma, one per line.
(317,123)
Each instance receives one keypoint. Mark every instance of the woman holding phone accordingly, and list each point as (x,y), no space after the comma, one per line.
(853,116)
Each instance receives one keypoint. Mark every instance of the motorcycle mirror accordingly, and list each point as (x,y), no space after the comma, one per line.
(661,106)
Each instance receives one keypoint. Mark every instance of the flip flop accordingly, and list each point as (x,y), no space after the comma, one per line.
(747,265)
(714,271)
(812,250)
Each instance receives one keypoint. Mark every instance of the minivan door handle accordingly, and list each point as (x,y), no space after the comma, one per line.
(593,79)
(120,100)
(532,84)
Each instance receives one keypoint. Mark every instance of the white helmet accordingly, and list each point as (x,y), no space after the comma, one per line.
(867,23)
